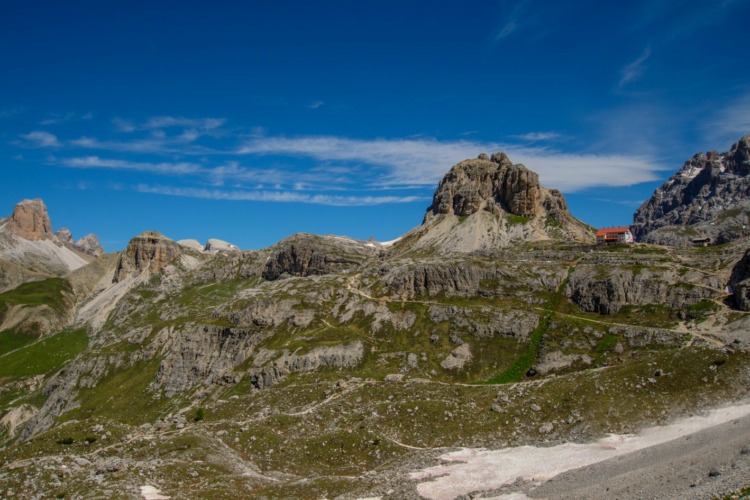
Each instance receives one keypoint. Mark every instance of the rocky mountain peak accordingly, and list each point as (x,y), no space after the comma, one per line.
(149,251)
(490,202)
(90,245)
(30,220)
(496,185)
(708,197)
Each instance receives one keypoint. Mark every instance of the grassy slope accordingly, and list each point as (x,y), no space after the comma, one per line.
(311,427)
(46,356)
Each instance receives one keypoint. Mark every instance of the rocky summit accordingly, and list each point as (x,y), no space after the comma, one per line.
(30,250)
(331,367)
(707,198)
(490,202)
(30,220)
(149,251)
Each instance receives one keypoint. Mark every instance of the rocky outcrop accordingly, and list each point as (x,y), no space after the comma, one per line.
(497,186)
(310,255)
(460,278)
(273,366)
(29,250)
(89,244)
(214,246)
(489,203)
(64,236)
(30,220)
(606,289)
(17,417)
(149,251)
(708,197)
(491,185)
(201,354)
(740,283)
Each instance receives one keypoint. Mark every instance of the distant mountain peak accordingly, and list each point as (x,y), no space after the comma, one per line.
(30,220)
(708,197)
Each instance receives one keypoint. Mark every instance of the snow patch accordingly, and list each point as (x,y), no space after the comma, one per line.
(691,173)
(481,469)
(149,492)
(390,243)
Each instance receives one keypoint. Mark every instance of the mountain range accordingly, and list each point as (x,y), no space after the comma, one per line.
(325,366)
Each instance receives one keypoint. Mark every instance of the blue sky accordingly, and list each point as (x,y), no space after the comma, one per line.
(249,121)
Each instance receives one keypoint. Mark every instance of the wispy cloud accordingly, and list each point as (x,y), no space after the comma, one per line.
(158,143)
(217,175)
(179,121)
(278,196)
(730,122)
(538,136)
(315,104)
(680,18)
(424,161)
(511,22)
(108,163)
(634,70)
(56,118)
(167,122)
(123,125)
(6,113)
(41,139)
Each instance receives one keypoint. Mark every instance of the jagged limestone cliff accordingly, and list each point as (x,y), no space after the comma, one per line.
(708,197)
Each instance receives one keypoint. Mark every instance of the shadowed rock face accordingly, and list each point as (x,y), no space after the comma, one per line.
(30,220)
(740,283)
(709,195)
(149,251)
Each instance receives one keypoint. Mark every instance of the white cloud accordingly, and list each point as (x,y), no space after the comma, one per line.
(123,125)
(422,162)
(277,196)
(106,163)
(635,69)
(538,136)
(58,118)
(42,139)
(315,104)
(179,121)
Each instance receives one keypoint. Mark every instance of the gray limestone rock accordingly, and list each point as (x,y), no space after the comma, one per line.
(740,283)
(707,197)
(273,366)
(149,251)
(310,255)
